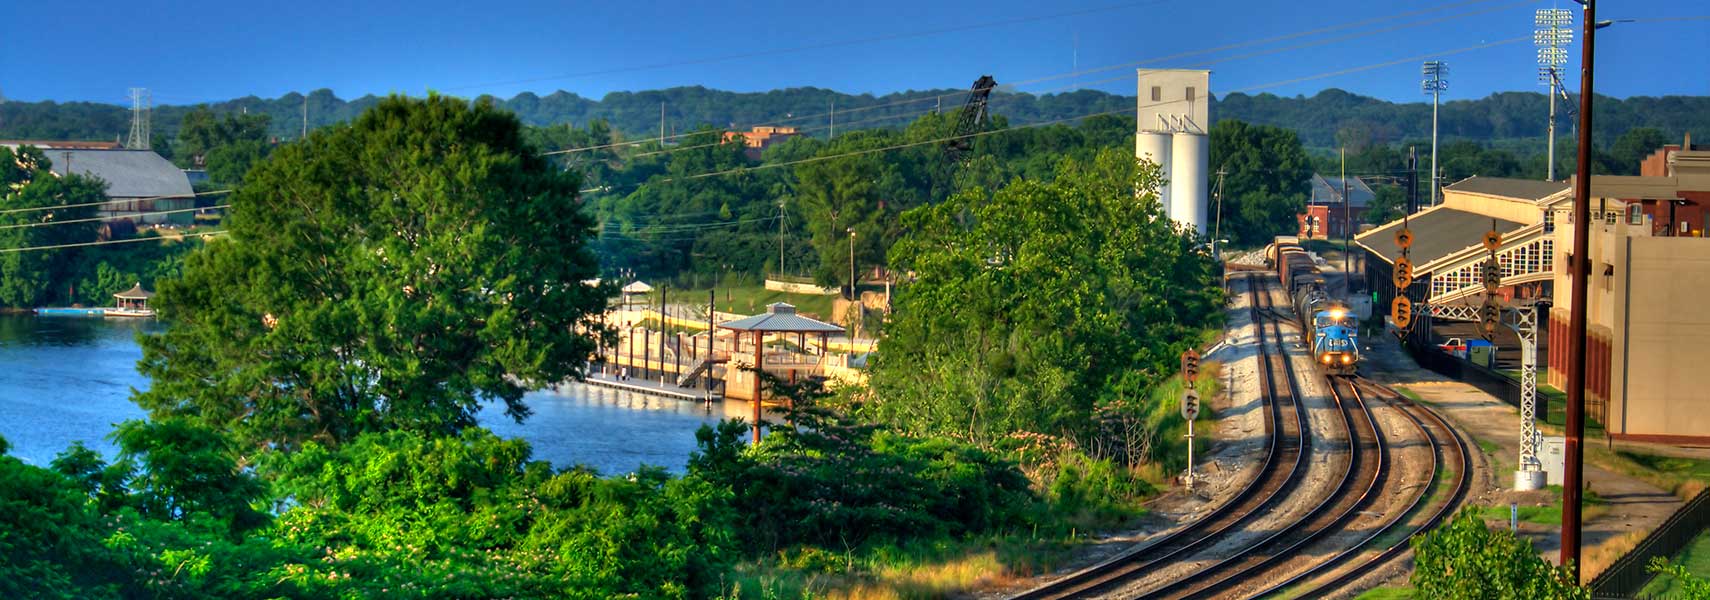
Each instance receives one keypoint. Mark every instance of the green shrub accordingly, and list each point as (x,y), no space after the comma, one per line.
(1466,559)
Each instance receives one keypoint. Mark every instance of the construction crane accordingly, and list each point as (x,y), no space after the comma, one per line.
(972,118)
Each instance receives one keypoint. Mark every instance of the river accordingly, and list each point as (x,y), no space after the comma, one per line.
(69,379)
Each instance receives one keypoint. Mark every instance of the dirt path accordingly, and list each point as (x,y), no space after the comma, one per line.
(1633,507)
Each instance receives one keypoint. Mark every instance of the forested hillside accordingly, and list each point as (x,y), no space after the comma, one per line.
(1507,119)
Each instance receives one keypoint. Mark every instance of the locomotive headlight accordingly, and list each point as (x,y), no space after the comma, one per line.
(1324,359)
(1347,359)
(1337,314)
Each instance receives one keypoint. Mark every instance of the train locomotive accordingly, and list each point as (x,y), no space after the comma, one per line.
(1326,321)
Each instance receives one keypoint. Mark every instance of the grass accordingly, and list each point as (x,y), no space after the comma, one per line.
(1550,514)
(752,299)
(1410,394)
(1696,559)
(925,570)
(1685,477)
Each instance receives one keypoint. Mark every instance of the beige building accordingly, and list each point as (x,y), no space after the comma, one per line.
(1646,322)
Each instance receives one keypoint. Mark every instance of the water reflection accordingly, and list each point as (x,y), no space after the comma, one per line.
(68,379)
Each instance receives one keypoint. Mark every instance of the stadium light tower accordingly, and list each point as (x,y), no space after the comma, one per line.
(1554,31)
(1434,84)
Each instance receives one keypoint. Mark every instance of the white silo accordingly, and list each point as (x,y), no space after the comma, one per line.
(1155,147)
(1174,104)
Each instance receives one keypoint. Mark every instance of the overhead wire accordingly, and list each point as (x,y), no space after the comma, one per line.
(83,204)
(1154,60)
(108,242)
(95,219)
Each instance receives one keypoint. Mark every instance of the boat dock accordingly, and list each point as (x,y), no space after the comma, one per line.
(652,388)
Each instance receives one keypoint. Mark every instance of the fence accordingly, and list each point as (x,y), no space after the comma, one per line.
(1628,575)
(1491,382)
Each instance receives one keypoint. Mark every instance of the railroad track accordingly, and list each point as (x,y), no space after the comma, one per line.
(1447,448)
(1285,456)
(1280,552)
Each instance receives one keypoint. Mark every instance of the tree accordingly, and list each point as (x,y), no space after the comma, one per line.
(1032,304)
(1269,177)
(395,272)
(27,279)
(1633,147)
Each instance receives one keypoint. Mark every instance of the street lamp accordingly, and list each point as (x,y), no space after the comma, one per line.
(1554,30)
(1434,84)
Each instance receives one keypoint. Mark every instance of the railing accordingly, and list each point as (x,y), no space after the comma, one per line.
(1491,382)
(1629,574)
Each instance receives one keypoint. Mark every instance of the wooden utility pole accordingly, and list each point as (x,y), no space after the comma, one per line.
(1580,263)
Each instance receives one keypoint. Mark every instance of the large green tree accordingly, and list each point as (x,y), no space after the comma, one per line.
(1030,305)
(226,146)
(1268,179)
(390,273)
(68,204)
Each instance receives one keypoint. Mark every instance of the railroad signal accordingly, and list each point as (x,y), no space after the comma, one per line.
(1404,265)
(1402,279)
(1404,238)
(1492,275)
(1492,240)
(1490,317)
(1190,365)
(1401,310)
(1190,404)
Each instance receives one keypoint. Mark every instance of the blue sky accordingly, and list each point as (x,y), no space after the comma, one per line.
(202,50)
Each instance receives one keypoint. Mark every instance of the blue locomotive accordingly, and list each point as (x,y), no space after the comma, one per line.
(1326,321)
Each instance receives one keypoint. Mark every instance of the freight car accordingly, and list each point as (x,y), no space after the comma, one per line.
(1324,320)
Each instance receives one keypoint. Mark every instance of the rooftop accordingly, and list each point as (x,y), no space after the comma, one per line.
(128,173)
(1328,190)
(1437,233)
(1528,189)
(780,317)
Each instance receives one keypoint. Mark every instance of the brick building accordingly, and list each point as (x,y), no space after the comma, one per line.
(758,139)
(1326,217)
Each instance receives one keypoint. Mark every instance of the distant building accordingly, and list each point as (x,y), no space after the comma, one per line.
(138,181)
(758,139)
(1326,217)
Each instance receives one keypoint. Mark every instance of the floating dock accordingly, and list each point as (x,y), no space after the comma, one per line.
(652,388)
(72,312)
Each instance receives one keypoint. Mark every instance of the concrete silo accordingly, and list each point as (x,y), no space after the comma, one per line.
(1174,111)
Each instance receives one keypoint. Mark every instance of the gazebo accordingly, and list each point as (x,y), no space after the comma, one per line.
(635,288)
(132,302)
(780,317)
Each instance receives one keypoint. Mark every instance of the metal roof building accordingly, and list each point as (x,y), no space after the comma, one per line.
(138,182)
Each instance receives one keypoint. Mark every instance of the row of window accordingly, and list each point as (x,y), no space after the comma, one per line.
(1526,259)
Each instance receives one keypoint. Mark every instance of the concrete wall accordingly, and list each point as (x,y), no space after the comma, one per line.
(792,287)
(1664,352)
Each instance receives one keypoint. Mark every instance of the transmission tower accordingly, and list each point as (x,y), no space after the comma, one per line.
(1554,30)
(141,106)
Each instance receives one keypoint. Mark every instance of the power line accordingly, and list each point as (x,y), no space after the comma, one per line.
(110,201)
(107,242)
(1180,55)
(820,46)
(1073,118)
(94,219)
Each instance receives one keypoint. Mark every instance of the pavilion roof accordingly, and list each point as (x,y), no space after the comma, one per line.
(135,293)
(780,317)
(637,287)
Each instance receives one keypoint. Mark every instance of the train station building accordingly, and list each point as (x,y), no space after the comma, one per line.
(1650,274)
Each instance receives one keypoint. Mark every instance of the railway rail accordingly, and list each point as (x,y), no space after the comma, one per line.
(1360,480)
(1285,457)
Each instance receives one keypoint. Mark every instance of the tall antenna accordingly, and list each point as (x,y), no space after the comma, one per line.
(141,104)
(1554,30)
(1434,85)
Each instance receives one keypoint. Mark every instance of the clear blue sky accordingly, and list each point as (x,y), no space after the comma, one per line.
(201,50)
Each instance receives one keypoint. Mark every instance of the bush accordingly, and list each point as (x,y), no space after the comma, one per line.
(1466,559)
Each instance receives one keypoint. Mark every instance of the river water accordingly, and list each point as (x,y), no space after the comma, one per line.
(69,379)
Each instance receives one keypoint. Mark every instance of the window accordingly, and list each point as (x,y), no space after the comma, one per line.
(1635,214)
(1190,94)
(1157,93)
(1550,221)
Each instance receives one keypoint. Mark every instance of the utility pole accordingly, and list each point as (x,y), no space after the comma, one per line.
(305,117)
(1217,227)
(1412,180)
(852,294)
(781,270)
(1554,30)
(1347,223)
(1572,471)
(661,124)
(141,104)
(833,133)
(1434,85)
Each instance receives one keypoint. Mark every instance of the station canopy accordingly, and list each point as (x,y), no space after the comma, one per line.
(637,287)
(780,317)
